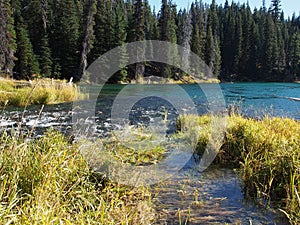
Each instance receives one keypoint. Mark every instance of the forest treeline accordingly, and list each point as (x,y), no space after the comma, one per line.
(60,38)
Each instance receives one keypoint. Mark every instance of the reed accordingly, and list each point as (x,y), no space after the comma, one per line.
(267,154)
(47,181)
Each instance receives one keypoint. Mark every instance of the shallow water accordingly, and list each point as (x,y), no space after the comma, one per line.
(210,197)
(220,199)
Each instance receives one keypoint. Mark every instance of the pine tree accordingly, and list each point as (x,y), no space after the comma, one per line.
(87,37)
(167,33)
(45,57)
(276,8)
(100,45)
(238,46)
(247,42)
(8,36)
(295,56)
(229,42)
(26,66)
(251,67)
(212,49)
(139,35)
(120,35)
(35,13)
(270,47)
(186,39)
(65,39)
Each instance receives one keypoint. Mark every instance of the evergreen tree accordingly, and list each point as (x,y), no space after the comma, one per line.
(8,36)
(294,61)
(229,42)
(100,45)
(119,39)
(87,37)
(35,16)
(212,50)
(186,39)
(276,8)
(65,38)
(26,65)
(270,47)
(139,35)
(167,33)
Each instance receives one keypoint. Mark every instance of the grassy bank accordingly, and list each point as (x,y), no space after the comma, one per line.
(267,153)
(43,91)
(47,181)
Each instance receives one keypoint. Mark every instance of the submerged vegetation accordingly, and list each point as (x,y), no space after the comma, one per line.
(43,91)
(47,181)
(267,153)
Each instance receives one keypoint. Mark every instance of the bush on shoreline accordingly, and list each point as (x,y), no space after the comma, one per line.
(267,153)
(43,91)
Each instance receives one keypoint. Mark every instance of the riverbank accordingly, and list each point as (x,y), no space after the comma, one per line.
(267,155)
(37,92)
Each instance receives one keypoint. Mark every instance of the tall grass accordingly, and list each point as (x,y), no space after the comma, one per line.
(267,153)
(45,91)
(47,181)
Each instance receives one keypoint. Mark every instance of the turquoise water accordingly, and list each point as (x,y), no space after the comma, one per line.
(275,99)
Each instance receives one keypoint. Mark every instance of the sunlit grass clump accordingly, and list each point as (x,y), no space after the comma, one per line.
(44,91)
(267,152)
(47,181)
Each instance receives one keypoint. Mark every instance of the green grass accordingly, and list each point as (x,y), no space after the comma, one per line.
(47,181)
(267,153)
(45,91)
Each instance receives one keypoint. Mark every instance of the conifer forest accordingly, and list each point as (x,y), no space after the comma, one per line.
(61,38)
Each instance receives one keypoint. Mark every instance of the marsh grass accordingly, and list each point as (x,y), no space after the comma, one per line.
(133,156)
(47,181)
(267,153)
(131,146)
(45,91)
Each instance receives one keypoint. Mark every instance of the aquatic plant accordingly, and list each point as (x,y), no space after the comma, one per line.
(267,153)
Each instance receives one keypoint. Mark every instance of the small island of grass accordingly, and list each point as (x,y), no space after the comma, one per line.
(40,91)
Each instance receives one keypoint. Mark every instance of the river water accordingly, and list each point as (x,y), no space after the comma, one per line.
(210,197)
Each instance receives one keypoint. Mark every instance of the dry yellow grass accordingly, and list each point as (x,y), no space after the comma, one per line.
(41,91)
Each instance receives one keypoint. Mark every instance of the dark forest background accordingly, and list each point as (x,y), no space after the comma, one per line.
(60,38)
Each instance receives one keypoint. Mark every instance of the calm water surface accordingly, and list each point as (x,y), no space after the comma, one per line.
(211,197)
